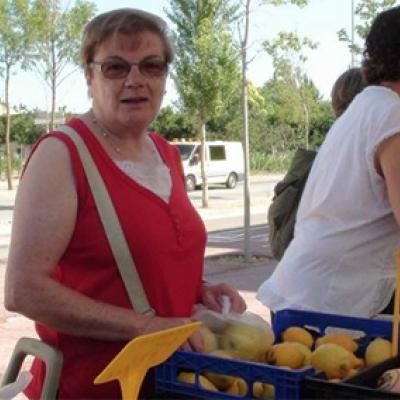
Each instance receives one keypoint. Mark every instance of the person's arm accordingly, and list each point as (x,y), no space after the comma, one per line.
(388,164)
(43,222)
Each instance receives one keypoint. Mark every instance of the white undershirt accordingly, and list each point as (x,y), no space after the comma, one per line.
(154,176)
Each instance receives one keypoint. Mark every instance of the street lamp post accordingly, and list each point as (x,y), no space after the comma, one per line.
(352,33)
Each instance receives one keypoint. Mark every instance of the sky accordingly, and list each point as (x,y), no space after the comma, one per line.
(319,21)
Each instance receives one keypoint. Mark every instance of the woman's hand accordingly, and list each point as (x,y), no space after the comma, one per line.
(211,297)
(194,343)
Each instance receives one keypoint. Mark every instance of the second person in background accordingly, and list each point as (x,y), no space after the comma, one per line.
(341,259)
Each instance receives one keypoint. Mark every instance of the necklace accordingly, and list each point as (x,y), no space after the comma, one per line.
(111,138)
(105,133)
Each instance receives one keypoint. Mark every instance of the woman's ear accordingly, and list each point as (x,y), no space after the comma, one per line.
(89,77)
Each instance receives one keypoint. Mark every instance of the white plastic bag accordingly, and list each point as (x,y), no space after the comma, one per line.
(245,336)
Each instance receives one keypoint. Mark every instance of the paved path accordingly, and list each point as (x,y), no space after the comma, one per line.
(219,266)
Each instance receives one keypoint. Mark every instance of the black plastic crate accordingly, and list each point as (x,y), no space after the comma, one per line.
(360,386)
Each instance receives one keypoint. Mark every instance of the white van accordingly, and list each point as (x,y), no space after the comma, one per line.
(224,162)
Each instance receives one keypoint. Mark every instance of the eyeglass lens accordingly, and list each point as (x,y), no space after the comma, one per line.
(116,69)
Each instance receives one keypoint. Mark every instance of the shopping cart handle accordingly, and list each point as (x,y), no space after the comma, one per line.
(52,358)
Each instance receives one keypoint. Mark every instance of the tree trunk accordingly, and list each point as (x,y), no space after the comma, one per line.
(246,189)
(306,125)
(53,85)
(8,155)
(204,186)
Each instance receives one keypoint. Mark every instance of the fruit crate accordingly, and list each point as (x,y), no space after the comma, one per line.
(320,322)
(360,386)
(286,381)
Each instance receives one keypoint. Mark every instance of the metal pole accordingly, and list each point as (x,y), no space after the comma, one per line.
(352,32)
(246,188)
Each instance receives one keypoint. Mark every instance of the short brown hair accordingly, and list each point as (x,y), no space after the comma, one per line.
(122,21)
(349,83)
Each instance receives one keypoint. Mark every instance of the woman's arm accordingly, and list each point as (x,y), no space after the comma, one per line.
(44,219)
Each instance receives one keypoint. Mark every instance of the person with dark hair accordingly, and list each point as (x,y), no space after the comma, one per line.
(341,259)
(62,271)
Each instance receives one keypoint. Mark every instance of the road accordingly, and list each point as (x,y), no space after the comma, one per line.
(225,209)
(226,206)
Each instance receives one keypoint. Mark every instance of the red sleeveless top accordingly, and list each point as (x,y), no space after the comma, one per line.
(167,242)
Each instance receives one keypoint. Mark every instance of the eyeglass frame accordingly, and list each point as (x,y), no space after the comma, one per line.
(98,65)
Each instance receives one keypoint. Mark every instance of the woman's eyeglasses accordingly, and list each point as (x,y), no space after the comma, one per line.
(120,68)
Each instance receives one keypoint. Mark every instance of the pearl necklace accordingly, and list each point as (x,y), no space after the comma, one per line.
(105,133)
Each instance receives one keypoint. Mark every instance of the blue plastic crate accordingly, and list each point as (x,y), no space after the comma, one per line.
(286,381)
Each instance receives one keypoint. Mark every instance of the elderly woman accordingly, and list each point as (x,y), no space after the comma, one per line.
(341,259)
(61,272)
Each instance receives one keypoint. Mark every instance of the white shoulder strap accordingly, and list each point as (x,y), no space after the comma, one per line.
(112,227)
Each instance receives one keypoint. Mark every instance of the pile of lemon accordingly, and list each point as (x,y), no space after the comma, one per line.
(332,353)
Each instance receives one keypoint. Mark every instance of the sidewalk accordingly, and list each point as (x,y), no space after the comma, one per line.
(221,265)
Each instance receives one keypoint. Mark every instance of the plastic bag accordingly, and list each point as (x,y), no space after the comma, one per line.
(244,336)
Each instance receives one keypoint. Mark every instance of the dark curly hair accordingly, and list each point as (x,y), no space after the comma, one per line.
(382,48)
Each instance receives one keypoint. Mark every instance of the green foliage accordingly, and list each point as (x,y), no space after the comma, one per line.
(299,3)
(290,85)
(287,49)
(228,125)
(206,71)
(15,38)
(171,124)
(321,120)
(365,11)
(23,128)
(16,165)
(277,162)
(285,119)
(57,36)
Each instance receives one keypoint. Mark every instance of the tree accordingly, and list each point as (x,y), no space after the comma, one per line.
(243,47)
(206,72)
(172,124)
(365,10)
(228,124)
(23,127)
(15,42)
(288,61)
(57,41)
